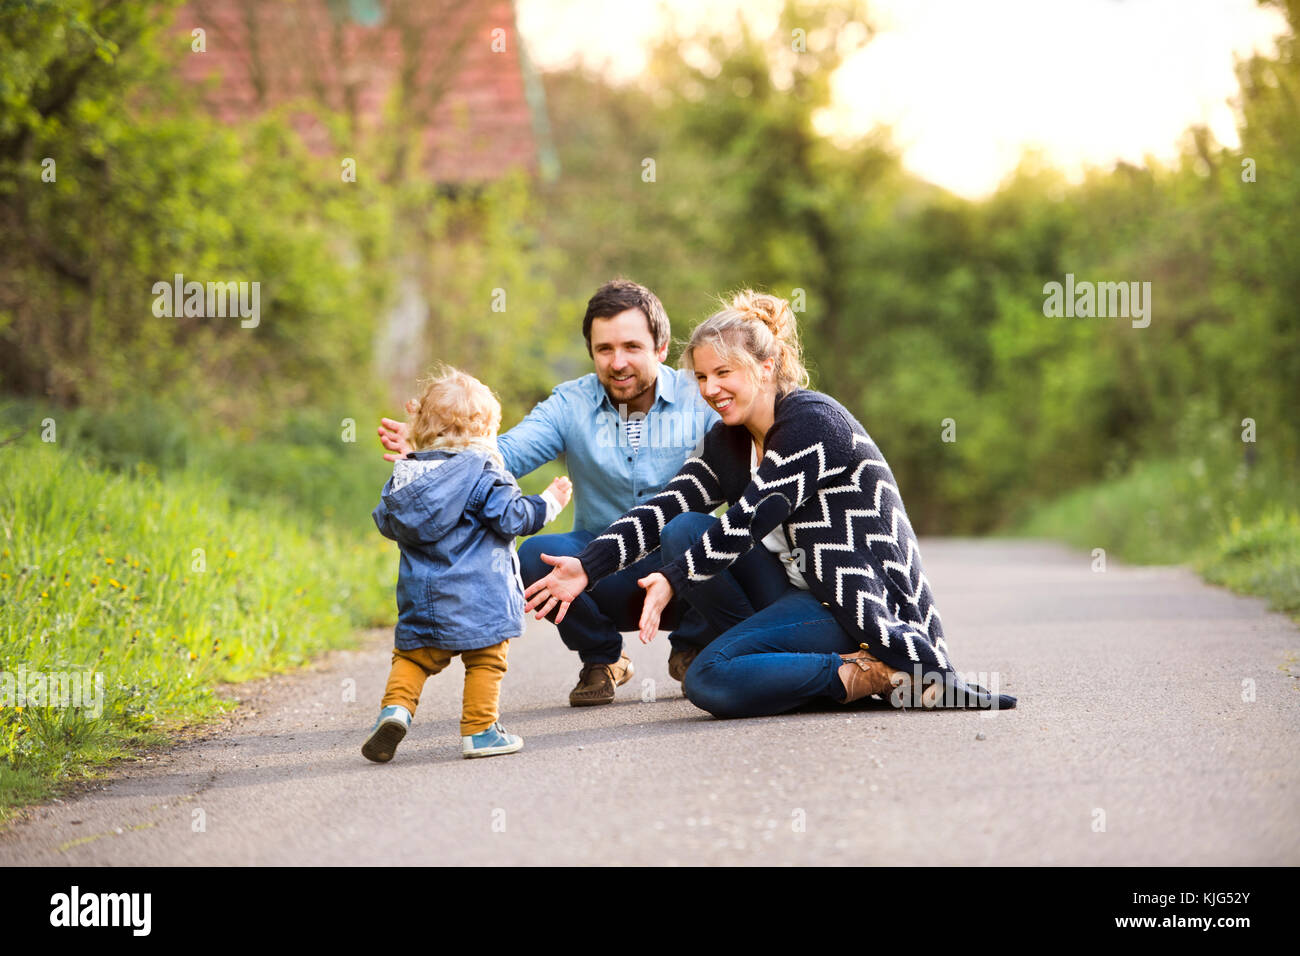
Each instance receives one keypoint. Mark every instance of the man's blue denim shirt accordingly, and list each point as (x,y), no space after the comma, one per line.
(609,476)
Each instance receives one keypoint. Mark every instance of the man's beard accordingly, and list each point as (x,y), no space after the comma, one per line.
(635,382)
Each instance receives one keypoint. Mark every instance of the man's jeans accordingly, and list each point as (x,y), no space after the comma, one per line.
(593,622)
(777,647)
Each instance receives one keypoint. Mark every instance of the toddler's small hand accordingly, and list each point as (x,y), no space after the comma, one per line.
(562,489)
(394,436)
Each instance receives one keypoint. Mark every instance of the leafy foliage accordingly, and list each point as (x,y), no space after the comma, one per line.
(923,307)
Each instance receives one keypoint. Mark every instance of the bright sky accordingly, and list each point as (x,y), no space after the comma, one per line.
(967,85)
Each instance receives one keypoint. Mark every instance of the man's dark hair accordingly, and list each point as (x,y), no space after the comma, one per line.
(619,295)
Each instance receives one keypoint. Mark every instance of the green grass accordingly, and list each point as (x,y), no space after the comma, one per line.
(1261,558)
(1237,526)
(165,588)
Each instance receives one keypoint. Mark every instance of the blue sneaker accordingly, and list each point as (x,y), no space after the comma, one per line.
(490,742)
(393,723)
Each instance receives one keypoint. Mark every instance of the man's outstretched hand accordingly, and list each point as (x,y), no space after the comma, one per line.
(392,435)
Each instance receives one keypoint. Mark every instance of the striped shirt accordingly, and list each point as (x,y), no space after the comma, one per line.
(634,426)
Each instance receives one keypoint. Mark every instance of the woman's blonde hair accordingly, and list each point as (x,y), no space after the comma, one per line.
(455,412)
(750,329)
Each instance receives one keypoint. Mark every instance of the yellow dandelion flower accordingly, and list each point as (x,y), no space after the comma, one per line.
(230,554)
(114,582)
(108,560)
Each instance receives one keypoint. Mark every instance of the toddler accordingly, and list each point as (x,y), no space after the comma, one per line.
(454,510)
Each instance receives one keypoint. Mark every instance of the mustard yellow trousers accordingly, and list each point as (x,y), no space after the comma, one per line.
(484,669)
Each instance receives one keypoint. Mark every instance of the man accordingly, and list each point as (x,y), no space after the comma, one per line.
(625,430)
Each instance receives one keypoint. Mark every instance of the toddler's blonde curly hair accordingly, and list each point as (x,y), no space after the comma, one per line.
(455,412)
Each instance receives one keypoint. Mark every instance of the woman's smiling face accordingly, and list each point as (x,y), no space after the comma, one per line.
(727,386)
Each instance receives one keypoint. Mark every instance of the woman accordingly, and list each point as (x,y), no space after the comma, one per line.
(834,603)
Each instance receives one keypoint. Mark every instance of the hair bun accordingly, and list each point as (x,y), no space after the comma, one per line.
(771,310)
(733,333)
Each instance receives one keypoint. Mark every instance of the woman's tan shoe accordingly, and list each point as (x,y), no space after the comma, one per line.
(863,674)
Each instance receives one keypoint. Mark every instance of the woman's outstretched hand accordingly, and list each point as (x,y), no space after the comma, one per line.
(658,592)
(562,586)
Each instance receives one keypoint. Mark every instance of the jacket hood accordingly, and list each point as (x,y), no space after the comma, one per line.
(427,494)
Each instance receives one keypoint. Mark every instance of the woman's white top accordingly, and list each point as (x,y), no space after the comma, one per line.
(776,541)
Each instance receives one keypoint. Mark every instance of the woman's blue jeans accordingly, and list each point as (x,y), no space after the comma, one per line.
(777,647)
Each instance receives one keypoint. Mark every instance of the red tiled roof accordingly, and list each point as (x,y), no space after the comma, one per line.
(268,52)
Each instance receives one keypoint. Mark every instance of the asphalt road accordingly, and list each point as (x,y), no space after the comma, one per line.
(1157,724)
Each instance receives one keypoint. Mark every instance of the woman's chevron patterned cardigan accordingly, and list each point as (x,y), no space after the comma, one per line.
(823,478)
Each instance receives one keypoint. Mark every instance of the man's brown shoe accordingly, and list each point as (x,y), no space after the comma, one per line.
(870,675)
(679,661)
(596,682)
